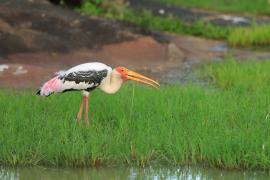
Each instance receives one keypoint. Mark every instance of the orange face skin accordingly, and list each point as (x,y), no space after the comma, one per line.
(127,74)
(123,71)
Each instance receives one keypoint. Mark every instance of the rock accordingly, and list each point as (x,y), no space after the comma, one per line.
(3,67)
(144,51)
(32,26)
(197,50)
(20,70)
(175,54)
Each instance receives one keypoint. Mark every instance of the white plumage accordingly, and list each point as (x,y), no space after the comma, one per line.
(85,76)
(96,66)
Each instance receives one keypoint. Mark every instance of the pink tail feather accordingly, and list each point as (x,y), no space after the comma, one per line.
(50,87)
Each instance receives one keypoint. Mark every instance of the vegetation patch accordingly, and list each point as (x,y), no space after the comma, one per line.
(250,36)
(256,35)
(249,75)
(251,6)
(176,25)
(225,124)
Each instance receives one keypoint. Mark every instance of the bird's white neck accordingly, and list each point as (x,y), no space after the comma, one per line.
(112,83)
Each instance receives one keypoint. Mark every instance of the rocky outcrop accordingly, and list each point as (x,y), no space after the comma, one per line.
(31,26)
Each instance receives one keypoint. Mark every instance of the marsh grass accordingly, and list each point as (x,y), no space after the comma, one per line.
(250,6)
(176,25)
(250,36)
(216,126)
(249,76)
(256,35)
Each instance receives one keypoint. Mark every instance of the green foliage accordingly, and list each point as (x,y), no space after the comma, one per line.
(224,127)
(148,20)
(92,7)
(257,35)
(250,36)
(249,76)
(176,25)
(105,8)
(251,6)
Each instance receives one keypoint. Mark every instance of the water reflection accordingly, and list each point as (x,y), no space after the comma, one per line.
(134,173)
(7,174)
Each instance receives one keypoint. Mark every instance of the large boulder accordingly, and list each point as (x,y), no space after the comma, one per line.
(31,26)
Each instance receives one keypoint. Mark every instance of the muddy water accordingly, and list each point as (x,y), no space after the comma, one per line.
(108,173)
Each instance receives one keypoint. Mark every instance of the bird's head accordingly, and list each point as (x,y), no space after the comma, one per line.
(127,74)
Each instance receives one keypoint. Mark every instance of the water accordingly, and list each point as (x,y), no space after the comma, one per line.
(155,173)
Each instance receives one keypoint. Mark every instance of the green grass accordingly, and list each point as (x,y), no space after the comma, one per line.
(250,6)
(252,36)
(256,35)
(248,76)
(176,25)
(224,125)
(149,21)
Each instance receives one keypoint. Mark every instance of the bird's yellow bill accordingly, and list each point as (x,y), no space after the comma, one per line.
(131,75)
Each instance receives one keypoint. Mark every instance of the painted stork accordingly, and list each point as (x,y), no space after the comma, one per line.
(86,77)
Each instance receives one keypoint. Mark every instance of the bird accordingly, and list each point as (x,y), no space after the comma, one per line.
(89,76)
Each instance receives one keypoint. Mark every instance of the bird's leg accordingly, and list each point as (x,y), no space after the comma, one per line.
(86,111)
(79,116)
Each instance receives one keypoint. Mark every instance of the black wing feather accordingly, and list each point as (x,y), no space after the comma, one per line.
(89,77)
